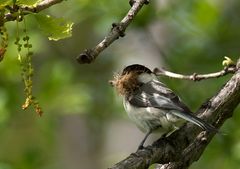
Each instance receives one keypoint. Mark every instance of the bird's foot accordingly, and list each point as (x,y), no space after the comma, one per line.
(140,147)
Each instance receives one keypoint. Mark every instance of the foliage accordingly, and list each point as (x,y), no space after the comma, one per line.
(54,28)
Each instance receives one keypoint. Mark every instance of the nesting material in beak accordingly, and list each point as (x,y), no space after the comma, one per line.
(125,84)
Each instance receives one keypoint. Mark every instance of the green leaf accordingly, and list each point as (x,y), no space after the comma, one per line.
(54,28)
(3,3)
(28,2)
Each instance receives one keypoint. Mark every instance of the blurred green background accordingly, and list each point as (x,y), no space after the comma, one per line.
(84,125)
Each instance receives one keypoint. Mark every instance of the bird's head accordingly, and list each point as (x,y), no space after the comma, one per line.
(131,78)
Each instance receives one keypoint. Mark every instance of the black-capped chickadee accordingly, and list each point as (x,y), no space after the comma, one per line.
(151,104)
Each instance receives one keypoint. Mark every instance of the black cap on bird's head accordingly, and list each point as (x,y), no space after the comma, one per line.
(136,68)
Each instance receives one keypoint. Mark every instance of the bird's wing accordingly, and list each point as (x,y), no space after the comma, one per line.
(156,94)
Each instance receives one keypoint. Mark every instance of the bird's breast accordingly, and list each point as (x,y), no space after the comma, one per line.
(150,118)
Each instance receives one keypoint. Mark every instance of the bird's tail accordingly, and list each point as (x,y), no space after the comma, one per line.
(197,121)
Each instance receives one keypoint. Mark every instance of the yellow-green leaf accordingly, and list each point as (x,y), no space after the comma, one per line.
(3,3)
(227,61)
(54,28)
(28,2)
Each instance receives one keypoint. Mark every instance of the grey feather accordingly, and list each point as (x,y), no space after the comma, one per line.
(156,94)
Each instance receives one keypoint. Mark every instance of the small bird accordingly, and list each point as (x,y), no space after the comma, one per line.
(151,104)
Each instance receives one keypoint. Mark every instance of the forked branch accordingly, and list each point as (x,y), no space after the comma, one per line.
(27,10)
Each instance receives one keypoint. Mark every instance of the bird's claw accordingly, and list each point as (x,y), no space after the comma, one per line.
(140,147)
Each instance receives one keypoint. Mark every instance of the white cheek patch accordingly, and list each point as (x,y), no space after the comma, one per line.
(145,77)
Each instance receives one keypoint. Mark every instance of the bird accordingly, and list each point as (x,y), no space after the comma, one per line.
(151,104)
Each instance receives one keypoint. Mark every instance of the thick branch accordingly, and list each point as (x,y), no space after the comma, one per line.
(118,29)
(186,145)
(26,10)
(195,76)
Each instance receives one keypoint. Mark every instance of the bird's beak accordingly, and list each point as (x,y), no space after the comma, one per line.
(156,71)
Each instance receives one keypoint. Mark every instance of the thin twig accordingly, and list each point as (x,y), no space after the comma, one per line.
(195,76)
(118,29)
(26,9)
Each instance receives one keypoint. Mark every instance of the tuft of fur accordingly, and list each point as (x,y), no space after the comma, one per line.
(125,84)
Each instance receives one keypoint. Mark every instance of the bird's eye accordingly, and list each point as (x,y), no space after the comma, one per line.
(111,82)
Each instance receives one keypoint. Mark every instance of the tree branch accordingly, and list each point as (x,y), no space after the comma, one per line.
(26,10)
(195,76)
(186,145)
(118,29)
